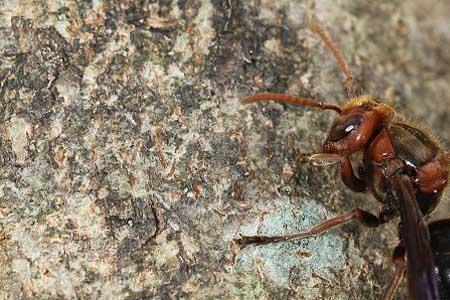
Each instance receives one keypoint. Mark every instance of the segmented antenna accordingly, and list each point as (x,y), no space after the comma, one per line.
(351,85)
(284,98)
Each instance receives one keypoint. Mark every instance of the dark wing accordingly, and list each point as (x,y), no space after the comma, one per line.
(422,278)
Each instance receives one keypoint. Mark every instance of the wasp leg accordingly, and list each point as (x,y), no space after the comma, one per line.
(347,174)
(349,178)
(399,260)
(362,216)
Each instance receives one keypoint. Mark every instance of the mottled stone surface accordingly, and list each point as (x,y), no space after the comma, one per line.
(128,164)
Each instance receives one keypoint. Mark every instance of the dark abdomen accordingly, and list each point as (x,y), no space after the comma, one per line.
(440,246)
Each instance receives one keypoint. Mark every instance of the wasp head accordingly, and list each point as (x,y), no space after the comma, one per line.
(357,124)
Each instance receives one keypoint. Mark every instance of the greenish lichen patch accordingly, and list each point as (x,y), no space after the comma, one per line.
(316,255)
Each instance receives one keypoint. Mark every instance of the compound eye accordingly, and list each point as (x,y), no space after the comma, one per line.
(341,130)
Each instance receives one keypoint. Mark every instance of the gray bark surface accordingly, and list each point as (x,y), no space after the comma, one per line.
(128,165)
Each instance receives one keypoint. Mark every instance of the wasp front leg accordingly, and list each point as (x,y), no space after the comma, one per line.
(360,215)
(350,179)
(347,174)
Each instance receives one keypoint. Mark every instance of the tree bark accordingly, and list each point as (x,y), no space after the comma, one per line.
(128,165)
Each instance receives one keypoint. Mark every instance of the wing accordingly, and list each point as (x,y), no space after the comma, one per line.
(422,278)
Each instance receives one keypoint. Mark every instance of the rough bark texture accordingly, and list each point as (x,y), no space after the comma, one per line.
(128,164)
